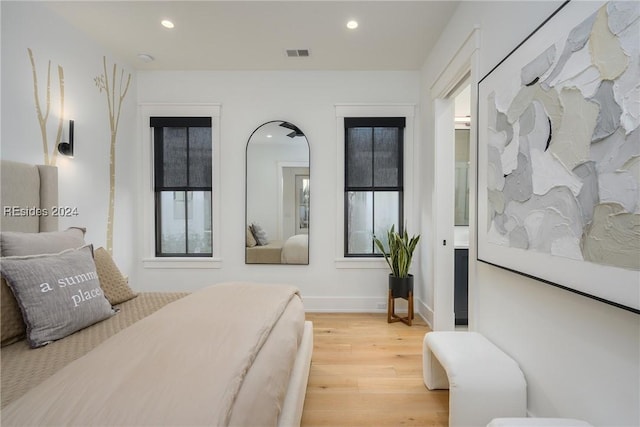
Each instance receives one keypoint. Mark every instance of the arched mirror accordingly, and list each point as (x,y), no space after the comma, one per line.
(277,195)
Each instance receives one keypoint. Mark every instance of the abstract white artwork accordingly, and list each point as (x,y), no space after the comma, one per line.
(559,154)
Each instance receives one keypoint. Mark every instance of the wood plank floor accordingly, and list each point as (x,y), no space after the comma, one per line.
(367,372)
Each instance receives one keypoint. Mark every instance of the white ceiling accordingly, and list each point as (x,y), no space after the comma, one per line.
(253,35)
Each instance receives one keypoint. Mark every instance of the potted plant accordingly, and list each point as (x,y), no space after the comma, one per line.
(399,257)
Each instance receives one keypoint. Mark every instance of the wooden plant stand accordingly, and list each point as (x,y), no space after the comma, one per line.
(391,310)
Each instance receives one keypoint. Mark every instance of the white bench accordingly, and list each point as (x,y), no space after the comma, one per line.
(484,383)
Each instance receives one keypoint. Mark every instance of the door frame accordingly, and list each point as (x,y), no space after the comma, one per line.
(464,63)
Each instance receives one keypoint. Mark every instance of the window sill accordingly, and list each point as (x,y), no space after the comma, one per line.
(373,263)
(179,262)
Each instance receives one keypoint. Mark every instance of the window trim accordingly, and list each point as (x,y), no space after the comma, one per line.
(147,201)
(410,216)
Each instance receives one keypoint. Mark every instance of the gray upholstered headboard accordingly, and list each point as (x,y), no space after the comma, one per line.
(25,192)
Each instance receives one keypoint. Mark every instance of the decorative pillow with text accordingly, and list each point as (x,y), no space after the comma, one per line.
(15,243)
(58,294)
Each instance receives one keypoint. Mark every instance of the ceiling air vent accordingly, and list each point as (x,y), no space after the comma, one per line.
(295,53)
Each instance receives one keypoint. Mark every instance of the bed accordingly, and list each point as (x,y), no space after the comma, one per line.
(230,354)
(271,253)
(294,250)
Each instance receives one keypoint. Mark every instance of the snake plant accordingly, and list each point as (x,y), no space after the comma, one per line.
(400,253)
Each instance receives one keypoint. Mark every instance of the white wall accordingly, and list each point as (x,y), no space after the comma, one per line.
(581,357)
(83,180)
(306,99)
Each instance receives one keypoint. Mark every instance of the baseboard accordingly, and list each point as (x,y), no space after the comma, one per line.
(345,304)
(364,305)
(425,312)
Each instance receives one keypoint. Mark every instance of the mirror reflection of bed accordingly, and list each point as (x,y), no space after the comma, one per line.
(277,195)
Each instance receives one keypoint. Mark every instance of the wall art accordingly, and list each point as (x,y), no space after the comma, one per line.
(43,112)
(115,88)
(559,154)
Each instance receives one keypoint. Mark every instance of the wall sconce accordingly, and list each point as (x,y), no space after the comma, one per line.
(66,148)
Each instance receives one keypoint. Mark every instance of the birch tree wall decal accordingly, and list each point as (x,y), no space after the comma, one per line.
(114,104)
(43,118)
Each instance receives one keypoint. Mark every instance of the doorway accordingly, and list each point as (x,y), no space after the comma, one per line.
(462,129)
(293,194)
(444,209)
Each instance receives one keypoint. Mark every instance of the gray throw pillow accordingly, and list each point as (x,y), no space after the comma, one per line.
(15,243)
(58,294)
(260,235)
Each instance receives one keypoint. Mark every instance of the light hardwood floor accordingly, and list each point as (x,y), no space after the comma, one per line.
(367,372)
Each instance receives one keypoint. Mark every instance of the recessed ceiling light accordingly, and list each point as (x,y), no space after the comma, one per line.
(352,25)
(269,136)
(167,24)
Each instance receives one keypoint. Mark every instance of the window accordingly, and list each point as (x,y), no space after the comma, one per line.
(373,192)
(182,154)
